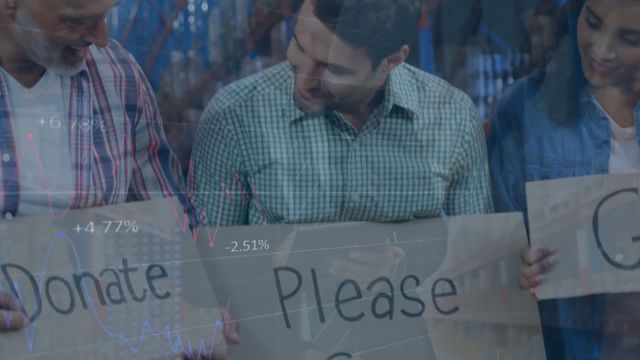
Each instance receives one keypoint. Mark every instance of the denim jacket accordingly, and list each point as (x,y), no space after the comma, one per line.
(526,145)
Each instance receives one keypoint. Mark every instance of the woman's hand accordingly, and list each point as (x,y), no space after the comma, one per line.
(535,263)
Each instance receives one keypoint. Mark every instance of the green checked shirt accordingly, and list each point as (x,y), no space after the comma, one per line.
(258,159)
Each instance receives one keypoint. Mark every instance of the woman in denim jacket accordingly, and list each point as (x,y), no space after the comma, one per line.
(577,117)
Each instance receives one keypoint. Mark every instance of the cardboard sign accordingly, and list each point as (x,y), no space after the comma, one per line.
(113,282)
(454,297)
(594,222)
(493,318)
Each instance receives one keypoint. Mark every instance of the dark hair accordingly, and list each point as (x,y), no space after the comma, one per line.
(381,27)
(562,80)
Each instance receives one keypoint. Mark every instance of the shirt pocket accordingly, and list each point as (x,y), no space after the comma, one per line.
(409,196)
(292,192)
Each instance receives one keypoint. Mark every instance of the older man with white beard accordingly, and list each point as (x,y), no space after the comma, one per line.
(79,123)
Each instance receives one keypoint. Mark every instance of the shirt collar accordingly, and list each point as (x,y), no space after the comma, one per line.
(84,69)
(586,97)
(398,92)
(291,112)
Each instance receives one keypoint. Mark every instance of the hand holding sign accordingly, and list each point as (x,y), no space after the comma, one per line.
(366,266)
(11,319)
(231,327)
(114,294)
(535,263)
(592,221)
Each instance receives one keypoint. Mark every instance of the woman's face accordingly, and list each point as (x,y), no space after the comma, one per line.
(609,43)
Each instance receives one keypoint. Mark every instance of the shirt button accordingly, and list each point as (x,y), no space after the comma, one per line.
(6,157)
(355,146)
(355,198)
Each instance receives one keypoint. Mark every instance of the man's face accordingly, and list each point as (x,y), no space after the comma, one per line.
(57,33)
(609,42)
(330,75)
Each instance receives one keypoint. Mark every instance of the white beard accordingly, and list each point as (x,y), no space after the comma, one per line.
(29,35)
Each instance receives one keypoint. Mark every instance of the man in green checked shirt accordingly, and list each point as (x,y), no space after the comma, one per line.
(343,131)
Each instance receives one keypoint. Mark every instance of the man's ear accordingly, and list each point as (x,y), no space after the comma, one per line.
(394,60)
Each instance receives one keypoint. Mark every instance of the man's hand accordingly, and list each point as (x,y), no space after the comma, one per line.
(11,319)
(366,266)
(221,350)
(231,327)
(534,264)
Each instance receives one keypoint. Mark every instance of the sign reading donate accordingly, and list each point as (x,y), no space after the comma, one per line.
(593,222)
(455,296)
(111,282)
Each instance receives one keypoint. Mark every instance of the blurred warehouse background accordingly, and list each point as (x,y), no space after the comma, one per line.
(191,48)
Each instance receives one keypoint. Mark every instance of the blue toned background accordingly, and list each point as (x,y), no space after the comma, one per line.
(191,48)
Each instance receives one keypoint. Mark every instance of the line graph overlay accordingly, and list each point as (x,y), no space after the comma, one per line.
(55,251)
